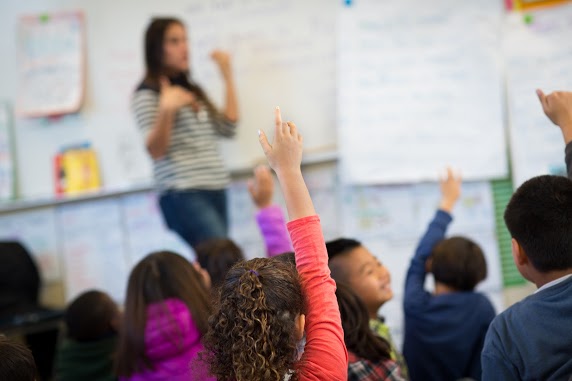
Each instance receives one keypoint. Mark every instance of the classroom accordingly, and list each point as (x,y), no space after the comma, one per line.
(136,127)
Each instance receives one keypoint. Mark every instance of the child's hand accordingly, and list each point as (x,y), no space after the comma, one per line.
(261,187)
(558,108)
(285,153)
(450,191)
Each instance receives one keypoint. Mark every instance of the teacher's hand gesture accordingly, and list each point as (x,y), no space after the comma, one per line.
(222,59)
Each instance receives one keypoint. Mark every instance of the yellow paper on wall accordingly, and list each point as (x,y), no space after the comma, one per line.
(81,170)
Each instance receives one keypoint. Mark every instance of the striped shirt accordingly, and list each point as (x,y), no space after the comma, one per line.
(193,160)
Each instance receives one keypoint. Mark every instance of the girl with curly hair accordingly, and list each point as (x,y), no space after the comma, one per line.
(265,305)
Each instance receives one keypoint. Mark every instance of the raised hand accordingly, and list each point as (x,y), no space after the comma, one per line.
(558,108)
(222,59)
(261,187)
(285,153)
(450,190)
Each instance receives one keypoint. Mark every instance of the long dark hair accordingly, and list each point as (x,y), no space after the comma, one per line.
(359,338)
(252,330)
(154,68)
(159,276)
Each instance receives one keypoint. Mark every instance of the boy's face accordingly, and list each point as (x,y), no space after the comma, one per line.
(367,276)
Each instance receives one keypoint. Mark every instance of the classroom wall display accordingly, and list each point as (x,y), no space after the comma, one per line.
(420,88)
(51,62)
(7,167)
(538,51)
(37,231)
(304,57)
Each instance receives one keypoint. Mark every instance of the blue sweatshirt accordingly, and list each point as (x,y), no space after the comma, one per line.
(444,334)
(532,340)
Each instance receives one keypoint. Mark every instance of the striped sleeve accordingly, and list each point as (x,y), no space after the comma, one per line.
(224,127)
(145,104)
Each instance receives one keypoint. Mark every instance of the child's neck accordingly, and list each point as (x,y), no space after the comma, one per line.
(441,289)
(540,279)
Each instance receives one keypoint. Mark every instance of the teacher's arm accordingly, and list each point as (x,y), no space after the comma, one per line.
(171,99)
(230,111)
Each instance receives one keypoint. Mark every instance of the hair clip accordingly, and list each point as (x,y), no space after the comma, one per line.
(254,272)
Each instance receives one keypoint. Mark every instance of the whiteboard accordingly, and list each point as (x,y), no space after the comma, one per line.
(420,88)
(538,55)
(284,54)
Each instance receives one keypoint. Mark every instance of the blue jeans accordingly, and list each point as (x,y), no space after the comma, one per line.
(196,215)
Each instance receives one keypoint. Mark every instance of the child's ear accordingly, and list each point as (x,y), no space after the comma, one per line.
(429,264)
(518,254)
(300,324)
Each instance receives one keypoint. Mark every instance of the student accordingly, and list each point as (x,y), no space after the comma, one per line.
(368,354)
(445,331)
(181,128)
(16,361)
(265,306)
(353,264)
(531,340)
(558,108)
(269,217)
(166,313)
(219,255)
(92,322)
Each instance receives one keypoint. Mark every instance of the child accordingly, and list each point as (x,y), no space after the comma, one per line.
(445,331)
(353,264)
(265,306)
(558,108)
(270,218)
(92,322)
(166,312)
(219,255)
(369,354)
(16,361)
(531,340)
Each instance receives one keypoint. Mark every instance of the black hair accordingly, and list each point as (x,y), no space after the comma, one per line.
(16,361)
(539,218)
(89,317)
(458,263)
(217,256)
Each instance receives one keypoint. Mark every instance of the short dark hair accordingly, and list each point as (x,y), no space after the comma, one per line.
(459,263)
(89,317)
(539,218)
(287,257)
(341,246)
(16,361)
(217,256)
(336,249)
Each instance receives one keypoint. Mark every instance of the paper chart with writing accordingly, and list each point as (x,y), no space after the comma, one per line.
(539,55)
(419,88)
(51,64)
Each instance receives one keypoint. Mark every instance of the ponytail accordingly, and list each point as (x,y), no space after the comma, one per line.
(252,331)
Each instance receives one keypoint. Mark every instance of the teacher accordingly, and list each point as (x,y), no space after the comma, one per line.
(181,127)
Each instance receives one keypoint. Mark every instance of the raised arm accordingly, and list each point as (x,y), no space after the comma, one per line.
(558,108)
(270,217)
(325,355)
(230,110)
(414,284)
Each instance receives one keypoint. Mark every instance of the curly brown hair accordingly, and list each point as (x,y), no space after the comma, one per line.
(252,333)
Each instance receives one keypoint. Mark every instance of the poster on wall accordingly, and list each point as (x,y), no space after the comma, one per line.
(51,64)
